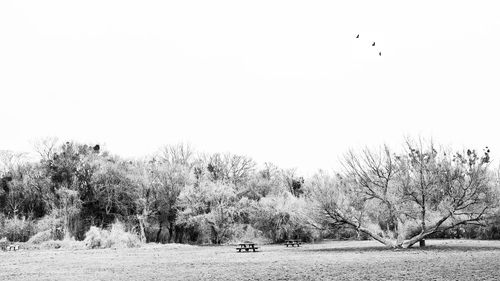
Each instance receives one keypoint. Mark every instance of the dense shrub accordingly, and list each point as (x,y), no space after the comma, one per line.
(95,238)
(16,229)
(120,238)
(68,244)
(51,244)
(116,237)
(281,217)
(489,231)
(41,237)
(211,209)
(344,233)
(49,222)
(245,232)
(49,227)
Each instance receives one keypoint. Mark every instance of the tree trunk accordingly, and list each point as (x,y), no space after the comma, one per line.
(67,233)
(380,239)
(170,232)
(179,233)
(159,233)
(215,235)
(401,232)
(142,233)
(415,239)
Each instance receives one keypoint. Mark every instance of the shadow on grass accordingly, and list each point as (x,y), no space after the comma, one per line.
(351,249)
(430,248)
(456,248)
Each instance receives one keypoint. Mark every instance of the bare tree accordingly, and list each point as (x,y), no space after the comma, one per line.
(400,199)
(230,168)
(179,154)
(240,168)
(9,160)
(45,147)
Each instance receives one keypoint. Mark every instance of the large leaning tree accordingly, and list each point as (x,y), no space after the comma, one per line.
(399,199)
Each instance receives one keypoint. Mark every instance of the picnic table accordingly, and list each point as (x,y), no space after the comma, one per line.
(247,246)
(7,247)
(12,248)
(292,243)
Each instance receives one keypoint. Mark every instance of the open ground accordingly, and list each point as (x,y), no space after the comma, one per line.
(329,260)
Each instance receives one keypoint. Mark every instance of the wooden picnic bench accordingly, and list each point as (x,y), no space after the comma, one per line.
(246,246)
(292,243)
(12,248)
(7,247)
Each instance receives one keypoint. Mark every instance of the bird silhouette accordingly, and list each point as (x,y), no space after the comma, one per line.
(380,53)
(373,44)
(357,36)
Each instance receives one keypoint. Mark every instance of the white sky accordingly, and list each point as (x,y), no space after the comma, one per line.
(279,81)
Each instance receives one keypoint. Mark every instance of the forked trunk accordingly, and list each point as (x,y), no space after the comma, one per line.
(419,238)
(388,242)
(398,243)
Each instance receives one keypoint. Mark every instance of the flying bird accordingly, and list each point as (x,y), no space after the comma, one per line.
(380,53)
(373,44)
(357,36)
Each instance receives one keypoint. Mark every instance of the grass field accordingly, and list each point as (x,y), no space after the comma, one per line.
(332,260)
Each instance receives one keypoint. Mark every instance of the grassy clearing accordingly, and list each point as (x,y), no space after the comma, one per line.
(347,260)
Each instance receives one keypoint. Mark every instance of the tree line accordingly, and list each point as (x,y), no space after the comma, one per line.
(179,195)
